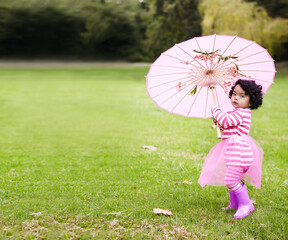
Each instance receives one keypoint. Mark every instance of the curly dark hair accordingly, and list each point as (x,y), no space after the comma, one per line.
(251,89)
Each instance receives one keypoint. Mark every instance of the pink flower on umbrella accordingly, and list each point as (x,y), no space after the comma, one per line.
(232,71)
(178,86)
(207,56)
(187,62)
(226,86)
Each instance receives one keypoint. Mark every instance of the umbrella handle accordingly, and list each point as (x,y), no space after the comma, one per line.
(212,87)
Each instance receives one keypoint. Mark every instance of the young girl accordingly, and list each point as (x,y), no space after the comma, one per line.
(237,157)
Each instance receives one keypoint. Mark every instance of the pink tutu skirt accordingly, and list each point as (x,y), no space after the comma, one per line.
(214,167)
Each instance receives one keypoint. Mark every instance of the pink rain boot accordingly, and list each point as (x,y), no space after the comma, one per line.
(233,202)
(233,199)
(245,206)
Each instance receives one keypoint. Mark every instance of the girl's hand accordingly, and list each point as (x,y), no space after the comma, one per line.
(215,124)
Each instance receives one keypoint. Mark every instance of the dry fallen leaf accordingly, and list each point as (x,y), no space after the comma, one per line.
(116,214)
(162,211)
(185,182)
(36,214)
(152,148)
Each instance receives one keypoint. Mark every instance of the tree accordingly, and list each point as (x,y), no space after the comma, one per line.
(169,22)
(110,30)
(45,31)
(247,20)
(275,8)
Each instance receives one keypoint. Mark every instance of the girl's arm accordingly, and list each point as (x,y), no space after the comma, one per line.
(227,120)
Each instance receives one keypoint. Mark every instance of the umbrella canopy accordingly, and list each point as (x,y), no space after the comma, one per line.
(179,81)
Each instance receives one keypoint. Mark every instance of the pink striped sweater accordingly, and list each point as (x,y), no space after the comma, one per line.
(235,126)
(234,123)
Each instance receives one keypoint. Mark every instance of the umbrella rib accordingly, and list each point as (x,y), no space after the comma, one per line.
(168,90)
(219,79)
(221,70)
(216,93)
(222,88)
(217,96)
(256,70)
(174,95)
(194,101)
(168,74)
(173,57)
(171,67)
(223,91)
(229,45)
(182,99)
(234,62)
(250,55)
(257,79)
(177,92)
(168,82)
(198,78)
(255,63)
(198,44)
(214,42)
(206,102)
(200,51)
(196,66)
(205,79)
(244,48)
(216,66)
(223,64)
(261,80)
(184,51)
(190,56)
(182,60)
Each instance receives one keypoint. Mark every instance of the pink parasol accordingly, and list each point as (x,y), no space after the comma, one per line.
(192,76)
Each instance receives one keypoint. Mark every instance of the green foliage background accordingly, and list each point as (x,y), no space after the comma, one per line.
(137,30)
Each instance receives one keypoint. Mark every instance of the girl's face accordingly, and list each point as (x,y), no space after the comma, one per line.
(239,99)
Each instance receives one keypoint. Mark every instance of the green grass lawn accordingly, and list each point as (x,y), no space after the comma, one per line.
(71,149)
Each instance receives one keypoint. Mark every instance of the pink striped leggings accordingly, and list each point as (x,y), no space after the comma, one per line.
(233,176)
